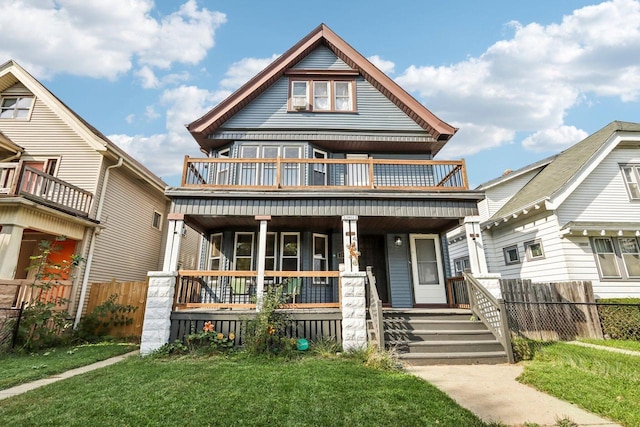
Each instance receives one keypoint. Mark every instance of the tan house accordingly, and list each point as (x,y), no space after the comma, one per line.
(59,176)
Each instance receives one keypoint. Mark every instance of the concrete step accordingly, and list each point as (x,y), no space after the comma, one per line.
(433,324)
(408,316)
(454,358)
(438,347)
(438,335)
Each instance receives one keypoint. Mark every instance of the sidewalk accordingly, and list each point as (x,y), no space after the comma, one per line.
(22,388)
(493,394)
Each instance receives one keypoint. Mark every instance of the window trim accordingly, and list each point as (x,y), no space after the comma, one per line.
(15,109)
(331,81)
(635,179)
(320,280)
(159,216)
(528,253)
(235,249)
(616,257)
(211,257)
(282,255)
(622,254)
(320,168)
(505,252)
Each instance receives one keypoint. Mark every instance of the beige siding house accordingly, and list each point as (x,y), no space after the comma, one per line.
(59,176)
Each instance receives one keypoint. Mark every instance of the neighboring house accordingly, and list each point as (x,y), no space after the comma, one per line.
(59,176)
(318,161)
(574,216)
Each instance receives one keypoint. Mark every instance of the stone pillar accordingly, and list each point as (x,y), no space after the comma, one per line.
(350,242)
(475,245)
(10,243)
(157,315)
(262,254)
(354,310)
(174,240)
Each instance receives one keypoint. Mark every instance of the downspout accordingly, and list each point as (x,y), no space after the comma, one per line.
(96,231)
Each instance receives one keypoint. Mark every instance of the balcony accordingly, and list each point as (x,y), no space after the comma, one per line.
(18,179)
(324,174)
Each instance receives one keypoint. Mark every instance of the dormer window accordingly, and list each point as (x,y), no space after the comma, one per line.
(322,95)
(15,107)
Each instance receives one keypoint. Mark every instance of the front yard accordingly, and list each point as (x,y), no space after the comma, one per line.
(237,391)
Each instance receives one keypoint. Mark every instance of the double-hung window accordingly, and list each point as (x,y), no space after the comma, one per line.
(320,255)
(606,257)
(322,95)
(290,251)
(17,107)
(215,253)
(243,252)
(630,250)
(631,175)
(299,95)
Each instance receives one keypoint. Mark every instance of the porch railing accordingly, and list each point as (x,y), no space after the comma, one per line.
(237,289)
(374,304)
(323,174)
(15,292)
(457,294)
(17,179)
(491,312)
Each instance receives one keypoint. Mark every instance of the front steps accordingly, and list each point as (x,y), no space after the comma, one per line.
(440,337)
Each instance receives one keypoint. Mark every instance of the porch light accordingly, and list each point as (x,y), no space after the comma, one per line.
(398,241)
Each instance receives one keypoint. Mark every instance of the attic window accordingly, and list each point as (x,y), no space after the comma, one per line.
(15,107)
(631,175)
(322,95)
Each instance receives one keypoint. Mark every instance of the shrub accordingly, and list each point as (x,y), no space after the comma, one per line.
(205,342)
(375,358)
(620,321)
(97,324)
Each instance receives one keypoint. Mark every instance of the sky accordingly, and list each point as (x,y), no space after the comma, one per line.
(521,80)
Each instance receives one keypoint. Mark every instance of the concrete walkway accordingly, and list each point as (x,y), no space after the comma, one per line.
(22,388)
(493,394)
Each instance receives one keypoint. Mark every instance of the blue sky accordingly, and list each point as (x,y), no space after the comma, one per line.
(522,80)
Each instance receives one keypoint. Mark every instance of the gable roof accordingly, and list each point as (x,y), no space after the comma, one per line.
(11,72)
(322,35)
(560,173)
(7,145)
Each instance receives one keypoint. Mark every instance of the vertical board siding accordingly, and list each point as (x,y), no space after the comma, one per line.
(399,272)
(128,293)
(322,59)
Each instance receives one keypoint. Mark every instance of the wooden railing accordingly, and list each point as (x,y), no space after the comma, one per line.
(457,294)
(374,304)
(14,292)
(323,174)
(491,312)
(237,289)
(17,179)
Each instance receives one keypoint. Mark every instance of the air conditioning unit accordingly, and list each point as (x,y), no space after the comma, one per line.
(299,103)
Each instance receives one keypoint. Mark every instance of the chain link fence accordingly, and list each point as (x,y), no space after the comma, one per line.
(9,323)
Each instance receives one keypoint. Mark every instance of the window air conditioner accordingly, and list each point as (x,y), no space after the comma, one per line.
(299,103)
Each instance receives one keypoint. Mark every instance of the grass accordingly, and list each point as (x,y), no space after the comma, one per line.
(622,344)
(599,381)
(237,391)
(20,368)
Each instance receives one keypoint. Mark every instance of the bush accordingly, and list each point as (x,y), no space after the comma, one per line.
(205,342)
(97,324)
(620,321)
(374,358)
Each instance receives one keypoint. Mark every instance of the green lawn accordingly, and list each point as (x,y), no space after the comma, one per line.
(21,368)
(237,391)
(622,344)
(599,381)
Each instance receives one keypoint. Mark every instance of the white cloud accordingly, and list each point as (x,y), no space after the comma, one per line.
(104,39)
(387,67)
(150,113)
(130,118)
(530,81)
(554,139)
(473,138)
(241,71)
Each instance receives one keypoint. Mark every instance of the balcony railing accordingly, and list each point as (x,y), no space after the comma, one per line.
(237,289)
(323,174)
(17,179)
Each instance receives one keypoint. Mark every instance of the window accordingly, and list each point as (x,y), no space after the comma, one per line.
(222,173)
(265,173)
(460,265)
(243,252)
(215,255)
(269,170)
(320,251)
(606,257)
(289,250)
(270,259)
(157,220)
(319,169)
(15,107)
(630,250)
(291,171)
(533,250)
(322,95)
(631,175)
(511,255)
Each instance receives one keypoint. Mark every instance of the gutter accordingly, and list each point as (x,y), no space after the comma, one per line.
(96,232)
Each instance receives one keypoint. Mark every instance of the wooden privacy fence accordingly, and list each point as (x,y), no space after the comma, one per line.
(560,311)
(129,293)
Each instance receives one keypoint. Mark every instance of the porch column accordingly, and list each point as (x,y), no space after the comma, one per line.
(354,310)
(174,240)
(10,243)
(262,254)
(156,328)
(475,245)
(350,242)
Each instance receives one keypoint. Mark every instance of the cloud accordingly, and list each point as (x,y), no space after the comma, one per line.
(241,71)
(387,67)
(554,139)
(473,138)
(530,81)
(104,39)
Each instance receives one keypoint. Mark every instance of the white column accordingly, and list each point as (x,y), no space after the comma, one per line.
(262,254)
(174,240)
(10,243)
(350,242)
(475,245)
(157,316)
(354,310)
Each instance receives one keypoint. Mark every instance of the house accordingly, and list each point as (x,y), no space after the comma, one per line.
(59,176)
(573,216)
(317,167)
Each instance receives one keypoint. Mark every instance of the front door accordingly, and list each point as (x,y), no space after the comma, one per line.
(426,262)
(372,254)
